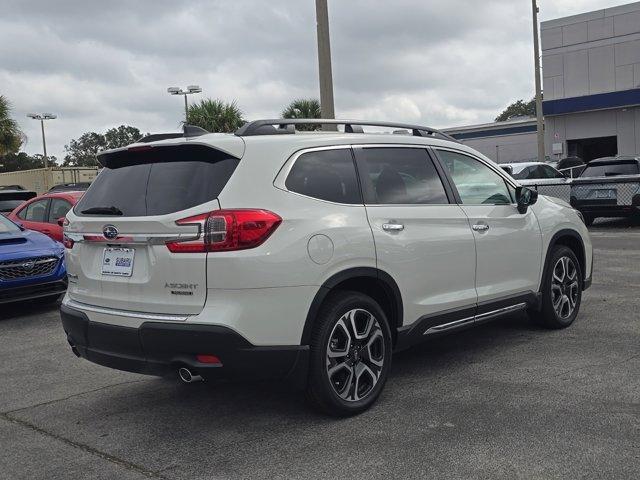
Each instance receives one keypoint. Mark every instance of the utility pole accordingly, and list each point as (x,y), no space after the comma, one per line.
(42,117)
(324,63)
(536,55)
(44,143)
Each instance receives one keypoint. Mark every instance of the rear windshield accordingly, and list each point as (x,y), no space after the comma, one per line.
(611,169)
(157,181)
(9,205)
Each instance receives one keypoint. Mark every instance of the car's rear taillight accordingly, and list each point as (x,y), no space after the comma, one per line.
(67,242)
(226,230)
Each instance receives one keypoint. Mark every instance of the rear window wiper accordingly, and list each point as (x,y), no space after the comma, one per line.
(102,211)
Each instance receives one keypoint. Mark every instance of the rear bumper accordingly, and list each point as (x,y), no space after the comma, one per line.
(607,208)
(608,211)
(30,292)
(160,348)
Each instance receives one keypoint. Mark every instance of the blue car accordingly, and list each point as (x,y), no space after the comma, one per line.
(31,265)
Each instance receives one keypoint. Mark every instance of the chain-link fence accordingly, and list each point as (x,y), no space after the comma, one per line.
(614,190)
(621,192)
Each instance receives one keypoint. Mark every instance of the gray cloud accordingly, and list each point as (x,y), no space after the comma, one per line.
(102,64)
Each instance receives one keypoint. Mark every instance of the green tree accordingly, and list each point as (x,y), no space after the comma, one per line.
(303,108)
(82,152)
(11,137)
(215,115)
(23,161)
(121,136)
(519,108)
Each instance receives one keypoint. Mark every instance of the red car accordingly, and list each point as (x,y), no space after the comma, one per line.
(46,213)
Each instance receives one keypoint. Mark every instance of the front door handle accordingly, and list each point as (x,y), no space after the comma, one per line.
(480,227)
(392,227)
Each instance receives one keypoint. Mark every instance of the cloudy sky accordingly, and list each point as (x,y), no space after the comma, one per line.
(99,64)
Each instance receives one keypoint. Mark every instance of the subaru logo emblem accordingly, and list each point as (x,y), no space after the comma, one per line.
(28,266)
(110,232)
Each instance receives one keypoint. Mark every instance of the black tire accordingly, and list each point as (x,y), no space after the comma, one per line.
(340,394)
(556,312)
(588,219)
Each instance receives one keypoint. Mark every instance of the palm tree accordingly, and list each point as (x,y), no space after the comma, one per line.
(303,108)
(215,115)
(11,137)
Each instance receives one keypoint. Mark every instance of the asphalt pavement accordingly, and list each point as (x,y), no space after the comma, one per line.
(505,400)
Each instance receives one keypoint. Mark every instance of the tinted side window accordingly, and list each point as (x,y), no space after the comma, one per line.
(327,175)
(34,212)
(477,184)
(399,176)
(59,209)
(550,172)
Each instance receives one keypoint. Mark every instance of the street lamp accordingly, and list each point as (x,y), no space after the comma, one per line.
(188,91)
(42,117)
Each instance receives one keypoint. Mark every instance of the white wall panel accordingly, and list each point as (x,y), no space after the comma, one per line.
(576,73)
(602,70)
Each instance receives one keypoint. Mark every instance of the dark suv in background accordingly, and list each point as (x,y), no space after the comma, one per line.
(608,187)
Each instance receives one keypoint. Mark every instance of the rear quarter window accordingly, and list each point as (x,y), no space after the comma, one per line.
(326,175)
(159,180)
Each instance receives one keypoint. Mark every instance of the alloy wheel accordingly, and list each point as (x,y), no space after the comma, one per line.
(565,287)
(355,355)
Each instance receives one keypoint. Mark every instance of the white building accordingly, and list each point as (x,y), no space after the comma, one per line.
(591,72)
(591,80)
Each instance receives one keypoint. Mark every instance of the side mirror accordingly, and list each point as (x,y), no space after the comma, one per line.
(61,221)
(525,197)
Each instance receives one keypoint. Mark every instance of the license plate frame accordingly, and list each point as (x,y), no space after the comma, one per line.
(605,194)
(117,262)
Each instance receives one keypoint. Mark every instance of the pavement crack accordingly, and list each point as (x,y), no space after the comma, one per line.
(49,402)
(595,365)
(85,448)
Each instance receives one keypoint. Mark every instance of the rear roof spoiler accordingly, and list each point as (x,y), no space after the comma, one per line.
(187,132)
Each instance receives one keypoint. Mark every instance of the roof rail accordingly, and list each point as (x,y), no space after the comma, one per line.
(187,131)
(287,126)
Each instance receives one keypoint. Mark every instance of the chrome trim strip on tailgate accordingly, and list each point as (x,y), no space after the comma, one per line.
(125,313)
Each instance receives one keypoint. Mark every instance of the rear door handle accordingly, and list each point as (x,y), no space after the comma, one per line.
(392,227)
(480,227)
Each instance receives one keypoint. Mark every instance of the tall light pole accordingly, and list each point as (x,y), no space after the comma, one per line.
(324,63)
(42,117)
(188,91)
(536,55)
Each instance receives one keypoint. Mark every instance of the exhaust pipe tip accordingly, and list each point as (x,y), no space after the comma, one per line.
(73,348)
(187,376)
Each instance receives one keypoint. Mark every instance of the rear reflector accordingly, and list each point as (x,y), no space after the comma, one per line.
(227,230)
(211,359)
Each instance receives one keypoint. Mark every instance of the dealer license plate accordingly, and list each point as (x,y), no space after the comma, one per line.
(118,261)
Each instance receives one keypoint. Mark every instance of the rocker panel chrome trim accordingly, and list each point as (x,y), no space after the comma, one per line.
(471,320)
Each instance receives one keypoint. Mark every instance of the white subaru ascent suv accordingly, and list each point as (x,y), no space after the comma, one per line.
(276,254)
